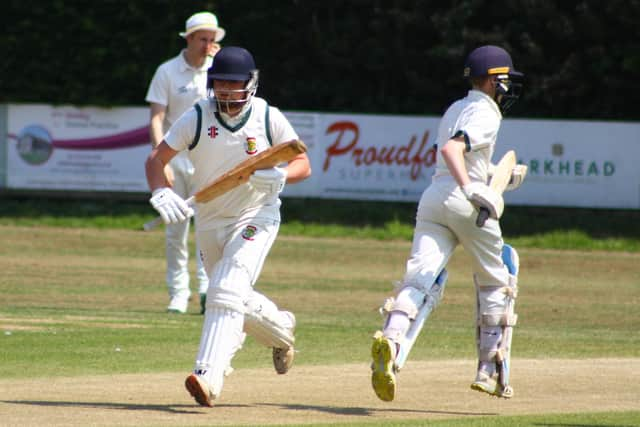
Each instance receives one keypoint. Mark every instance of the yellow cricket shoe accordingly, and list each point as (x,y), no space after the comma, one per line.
(383,377)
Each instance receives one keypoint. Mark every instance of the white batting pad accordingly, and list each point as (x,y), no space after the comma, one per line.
(268,325)
(221,337)
(431,299)
(408,301)
(496,319)
(230,285)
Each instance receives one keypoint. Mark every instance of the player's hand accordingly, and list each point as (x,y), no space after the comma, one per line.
(517,176)
(171,207)
(482,196)
(269,181)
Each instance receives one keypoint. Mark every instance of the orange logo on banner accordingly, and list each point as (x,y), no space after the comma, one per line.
(402,155)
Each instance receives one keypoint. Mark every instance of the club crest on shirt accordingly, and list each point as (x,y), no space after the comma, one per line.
(251,146)
(249,232)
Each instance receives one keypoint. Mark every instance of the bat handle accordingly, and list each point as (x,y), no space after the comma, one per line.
(483,215)
(148,226)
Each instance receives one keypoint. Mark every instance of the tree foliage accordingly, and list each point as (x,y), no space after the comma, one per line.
(581,58)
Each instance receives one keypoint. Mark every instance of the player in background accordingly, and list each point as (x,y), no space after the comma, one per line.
(446,216)
(176,85)
(236,230)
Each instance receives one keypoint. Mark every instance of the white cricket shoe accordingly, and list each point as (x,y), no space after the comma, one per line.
(383,375)
(283,357)
(198,388)
(179,302)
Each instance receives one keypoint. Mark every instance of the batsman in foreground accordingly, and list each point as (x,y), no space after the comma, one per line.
(236,230)
(446,216)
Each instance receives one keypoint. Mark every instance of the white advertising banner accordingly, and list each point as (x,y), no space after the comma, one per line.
(77,148)
(571,163)
(575,163)
(353,156)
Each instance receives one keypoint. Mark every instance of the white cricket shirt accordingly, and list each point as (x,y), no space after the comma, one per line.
(477,117)
(219,147)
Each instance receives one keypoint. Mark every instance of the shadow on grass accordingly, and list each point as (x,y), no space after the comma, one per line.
(172,409)
(191,409)
(360,411)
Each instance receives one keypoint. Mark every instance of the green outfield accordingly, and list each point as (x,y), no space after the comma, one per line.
(83,330)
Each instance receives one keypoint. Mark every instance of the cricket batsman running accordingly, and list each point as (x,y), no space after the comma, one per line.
(446,216)
(237,229)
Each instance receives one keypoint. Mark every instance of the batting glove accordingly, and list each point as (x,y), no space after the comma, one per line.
(269,181)
(482,196)
(171,207)
(517,176)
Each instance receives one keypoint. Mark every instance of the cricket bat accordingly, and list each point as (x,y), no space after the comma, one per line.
(499,181)
(240,174)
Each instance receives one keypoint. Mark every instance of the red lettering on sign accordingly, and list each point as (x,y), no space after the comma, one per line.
(336,149)
(401,155)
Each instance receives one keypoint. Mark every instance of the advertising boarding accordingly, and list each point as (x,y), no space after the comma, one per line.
(353,156)
(71,148)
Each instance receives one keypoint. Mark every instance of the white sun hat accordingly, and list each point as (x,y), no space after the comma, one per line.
(203,21)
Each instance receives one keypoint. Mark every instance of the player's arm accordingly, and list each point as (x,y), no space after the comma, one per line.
(158,113)
(478,193)
(453,154)
(298,169)
(177,138)
(155,165)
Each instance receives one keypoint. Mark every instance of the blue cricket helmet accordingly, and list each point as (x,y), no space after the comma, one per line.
(494,61)
(232,63)
(489,60)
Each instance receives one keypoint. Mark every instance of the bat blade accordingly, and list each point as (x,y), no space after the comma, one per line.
(240,174)
(502,174)
(499,181)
